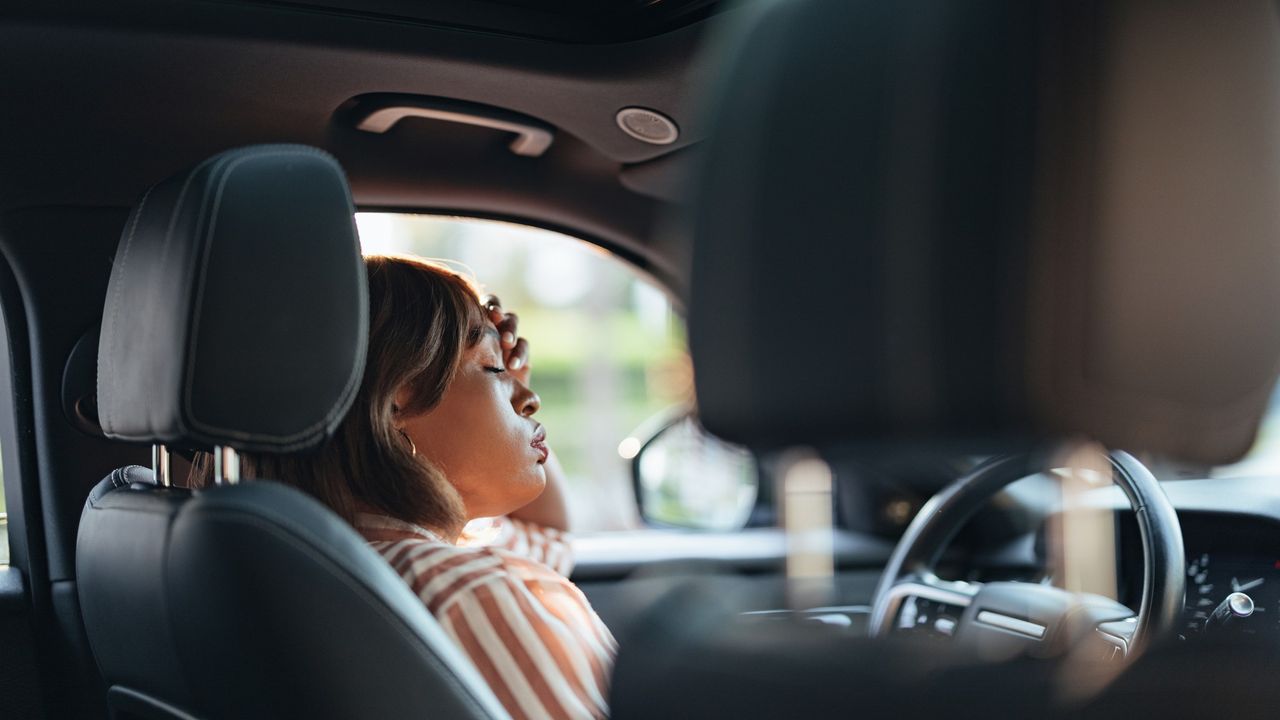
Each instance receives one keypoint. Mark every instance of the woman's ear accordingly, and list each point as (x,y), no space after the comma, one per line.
(401,399)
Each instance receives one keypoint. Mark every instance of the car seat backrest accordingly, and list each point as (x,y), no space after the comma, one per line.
(950,226)
(118,572)
(237,318)
(255,600)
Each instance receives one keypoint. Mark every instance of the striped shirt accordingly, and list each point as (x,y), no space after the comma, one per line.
(505,599)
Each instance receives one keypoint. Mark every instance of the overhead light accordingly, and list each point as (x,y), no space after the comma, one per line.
(648,126)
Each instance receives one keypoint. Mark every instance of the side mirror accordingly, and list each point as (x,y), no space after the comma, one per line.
(686,478)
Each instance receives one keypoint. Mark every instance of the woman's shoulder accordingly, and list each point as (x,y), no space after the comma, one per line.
(527,557)
(431,567)
(440,574)
(530,541)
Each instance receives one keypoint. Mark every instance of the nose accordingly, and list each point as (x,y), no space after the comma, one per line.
(526,401)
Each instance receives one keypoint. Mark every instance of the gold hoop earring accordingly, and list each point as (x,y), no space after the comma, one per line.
(413,449)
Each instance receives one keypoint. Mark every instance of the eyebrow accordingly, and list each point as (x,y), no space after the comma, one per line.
(478,333)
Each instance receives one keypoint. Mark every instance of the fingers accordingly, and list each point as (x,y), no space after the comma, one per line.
(519,356)
(507,329)
(493,309)
(506,323)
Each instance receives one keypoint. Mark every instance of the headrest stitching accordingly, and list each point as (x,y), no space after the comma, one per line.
(287,442)
(177,212)
(115,293)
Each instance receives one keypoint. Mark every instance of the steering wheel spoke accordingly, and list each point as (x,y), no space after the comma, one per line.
(1118,635)
(922,603)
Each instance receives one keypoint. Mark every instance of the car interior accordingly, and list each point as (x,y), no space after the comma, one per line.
(976,305)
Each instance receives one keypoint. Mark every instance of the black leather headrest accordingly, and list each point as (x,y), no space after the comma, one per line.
(930,221)
(237,309)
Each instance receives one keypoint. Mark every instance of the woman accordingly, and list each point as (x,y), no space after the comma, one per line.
(442,432)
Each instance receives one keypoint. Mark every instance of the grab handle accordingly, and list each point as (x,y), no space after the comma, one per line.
(378,115)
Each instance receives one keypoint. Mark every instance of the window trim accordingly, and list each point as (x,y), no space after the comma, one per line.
(17,459)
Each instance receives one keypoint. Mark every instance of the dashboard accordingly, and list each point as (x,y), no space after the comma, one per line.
(1231,537)
(1231,540)
(1227,554)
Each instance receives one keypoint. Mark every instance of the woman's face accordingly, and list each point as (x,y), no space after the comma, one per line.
(482,434)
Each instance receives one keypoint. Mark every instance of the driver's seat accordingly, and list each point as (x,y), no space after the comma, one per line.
(236,318)
(968,228)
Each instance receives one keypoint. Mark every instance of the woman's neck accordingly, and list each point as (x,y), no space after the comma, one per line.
(449,535)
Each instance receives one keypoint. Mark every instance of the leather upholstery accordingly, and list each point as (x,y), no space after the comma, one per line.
(237,312)
(931,222)
(256,601)
(237,315)
(120,573)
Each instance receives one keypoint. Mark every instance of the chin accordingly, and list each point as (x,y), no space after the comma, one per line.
(524,490)
(537,483)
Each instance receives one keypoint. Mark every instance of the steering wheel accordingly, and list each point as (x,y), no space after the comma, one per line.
(1027,617)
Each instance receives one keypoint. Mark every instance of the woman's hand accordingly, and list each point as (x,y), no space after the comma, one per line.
(515,349)
(550,509)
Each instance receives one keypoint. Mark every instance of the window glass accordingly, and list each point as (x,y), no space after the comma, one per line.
(607,350)
(4,524)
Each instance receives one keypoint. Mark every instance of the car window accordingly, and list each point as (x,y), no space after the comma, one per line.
(4,524)
(7,439)
(608,350)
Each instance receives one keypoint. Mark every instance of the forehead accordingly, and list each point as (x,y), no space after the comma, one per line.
(484,337)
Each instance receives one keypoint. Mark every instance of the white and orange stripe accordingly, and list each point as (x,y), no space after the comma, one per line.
(511,608)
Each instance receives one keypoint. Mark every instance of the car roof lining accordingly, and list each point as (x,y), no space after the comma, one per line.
(112,99)
(583,21)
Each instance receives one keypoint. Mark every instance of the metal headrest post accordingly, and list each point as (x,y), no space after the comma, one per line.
(226,465)
(160,465)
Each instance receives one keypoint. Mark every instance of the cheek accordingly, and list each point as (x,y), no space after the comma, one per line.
(475,437)
(448,437)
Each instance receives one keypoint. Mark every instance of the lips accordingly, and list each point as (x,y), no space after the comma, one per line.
(539,443)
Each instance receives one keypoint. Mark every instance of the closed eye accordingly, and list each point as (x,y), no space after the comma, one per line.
(495,370)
